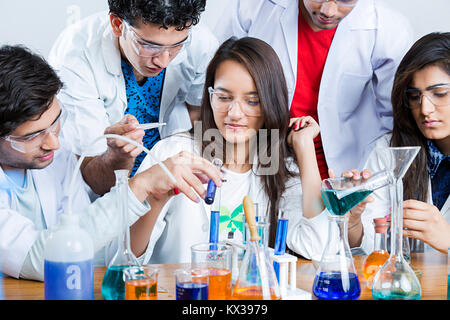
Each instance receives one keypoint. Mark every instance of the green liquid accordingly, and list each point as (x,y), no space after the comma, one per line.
(393,295)
(339,207)
(113,285)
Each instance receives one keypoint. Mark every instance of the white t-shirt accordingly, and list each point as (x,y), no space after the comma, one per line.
(183,223)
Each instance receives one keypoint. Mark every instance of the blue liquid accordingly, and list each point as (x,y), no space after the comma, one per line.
(192,291)
(393,295)
(328,286)
(210,192)
(214,227)
(113,285)
(280,243)
(341,206)
(69,280)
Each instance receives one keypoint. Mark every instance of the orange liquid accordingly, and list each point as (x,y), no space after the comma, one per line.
(372,264)
(219,284)
(141,290)
(251,293)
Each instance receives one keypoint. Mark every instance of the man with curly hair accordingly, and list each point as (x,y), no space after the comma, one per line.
(146,58)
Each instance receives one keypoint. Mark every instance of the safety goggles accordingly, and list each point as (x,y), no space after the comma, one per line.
(32,142)
(144,48)
(222,101)
(438,95)
(339,3)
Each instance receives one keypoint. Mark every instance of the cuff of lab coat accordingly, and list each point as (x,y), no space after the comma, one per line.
(137,208)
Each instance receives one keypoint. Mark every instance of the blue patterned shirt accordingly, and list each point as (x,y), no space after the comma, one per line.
(144,103)
(439,170)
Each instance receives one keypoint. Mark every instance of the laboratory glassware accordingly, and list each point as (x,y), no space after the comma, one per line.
(375,260)
(113,285)
(69,262)
(141,283)
(262,227)
(257,279)
(396,279)
(280,240)
(216,258)
(191,284)
(211,189)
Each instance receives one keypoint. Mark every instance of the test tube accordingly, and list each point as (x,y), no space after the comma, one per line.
(280,240)
(211,190)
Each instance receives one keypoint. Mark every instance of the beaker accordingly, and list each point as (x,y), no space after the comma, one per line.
(141,283)
(191,284)
(113,285)
(336,277)
(216,258)
(396,280)
(257,279)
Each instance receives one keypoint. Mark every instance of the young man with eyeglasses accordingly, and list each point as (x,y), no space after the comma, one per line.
(339,59)
(145,58)
(36,171)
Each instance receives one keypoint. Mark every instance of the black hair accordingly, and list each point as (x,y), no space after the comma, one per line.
(165,13)
(28,86)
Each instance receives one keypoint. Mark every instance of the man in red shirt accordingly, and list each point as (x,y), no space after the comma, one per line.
(339,58)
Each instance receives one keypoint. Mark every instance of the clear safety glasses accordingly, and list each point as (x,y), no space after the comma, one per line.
(339,3)
(30,143)
(145,49)
(222,101)
(438,95)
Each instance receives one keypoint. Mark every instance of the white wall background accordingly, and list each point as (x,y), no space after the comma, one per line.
(37,23)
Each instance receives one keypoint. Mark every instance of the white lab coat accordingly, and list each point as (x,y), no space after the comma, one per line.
(354,106)
(87,58)
(182,223)
(18,233)
(381,204)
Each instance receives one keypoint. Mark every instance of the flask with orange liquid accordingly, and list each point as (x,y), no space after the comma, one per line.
(379,254)
(257,279)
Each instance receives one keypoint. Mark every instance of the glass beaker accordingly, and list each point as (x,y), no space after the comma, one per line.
(141,283)
(113,285)
(336,277)
(216,258)
(257,279)
(191,284)
(396,280)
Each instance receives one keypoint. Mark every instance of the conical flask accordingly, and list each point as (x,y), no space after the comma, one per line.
(113,285)
(336,277)
(257,280)
(396,280)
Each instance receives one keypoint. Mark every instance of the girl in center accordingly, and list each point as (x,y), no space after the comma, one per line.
(267,156)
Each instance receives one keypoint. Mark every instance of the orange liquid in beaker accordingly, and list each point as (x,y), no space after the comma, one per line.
(219,284)
(252,293)
(141,290)
(372,264)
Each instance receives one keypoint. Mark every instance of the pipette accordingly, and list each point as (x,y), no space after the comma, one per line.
(211,190)
(148,126)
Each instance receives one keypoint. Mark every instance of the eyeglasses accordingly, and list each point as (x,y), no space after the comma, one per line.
(145,49)
(221,101)
(30,143)
(438,95)
(339,3)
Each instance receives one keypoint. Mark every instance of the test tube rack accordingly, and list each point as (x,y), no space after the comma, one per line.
(288,273)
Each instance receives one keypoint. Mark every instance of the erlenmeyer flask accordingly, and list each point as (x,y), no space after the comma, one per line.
(396,280)
(257,280)
(113,285)
(336,277)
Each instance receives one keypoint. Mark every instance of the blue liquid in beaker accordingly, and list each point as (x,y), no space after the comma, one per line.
(328,286)
(113,285)
(343,205)
(192,291)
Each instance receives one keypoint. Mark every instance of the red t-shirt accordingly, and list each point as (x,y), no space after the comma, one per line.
(313,49)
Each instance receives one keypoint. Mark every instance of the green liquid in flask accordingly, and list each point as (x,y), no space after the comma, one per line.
(394,295)
(341,206)
(113,285)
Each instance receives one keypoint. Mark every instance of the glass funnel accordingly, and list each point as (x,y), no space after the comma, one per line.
(113,285)
(257,280)
(396,280)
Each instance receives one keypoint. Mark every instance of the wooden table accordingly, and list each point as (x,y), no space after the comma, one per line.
(433,279)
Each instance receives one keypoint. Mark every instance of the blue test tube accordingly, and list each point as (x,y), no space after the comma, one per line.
(211,189)
(280,240)
(214,194)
